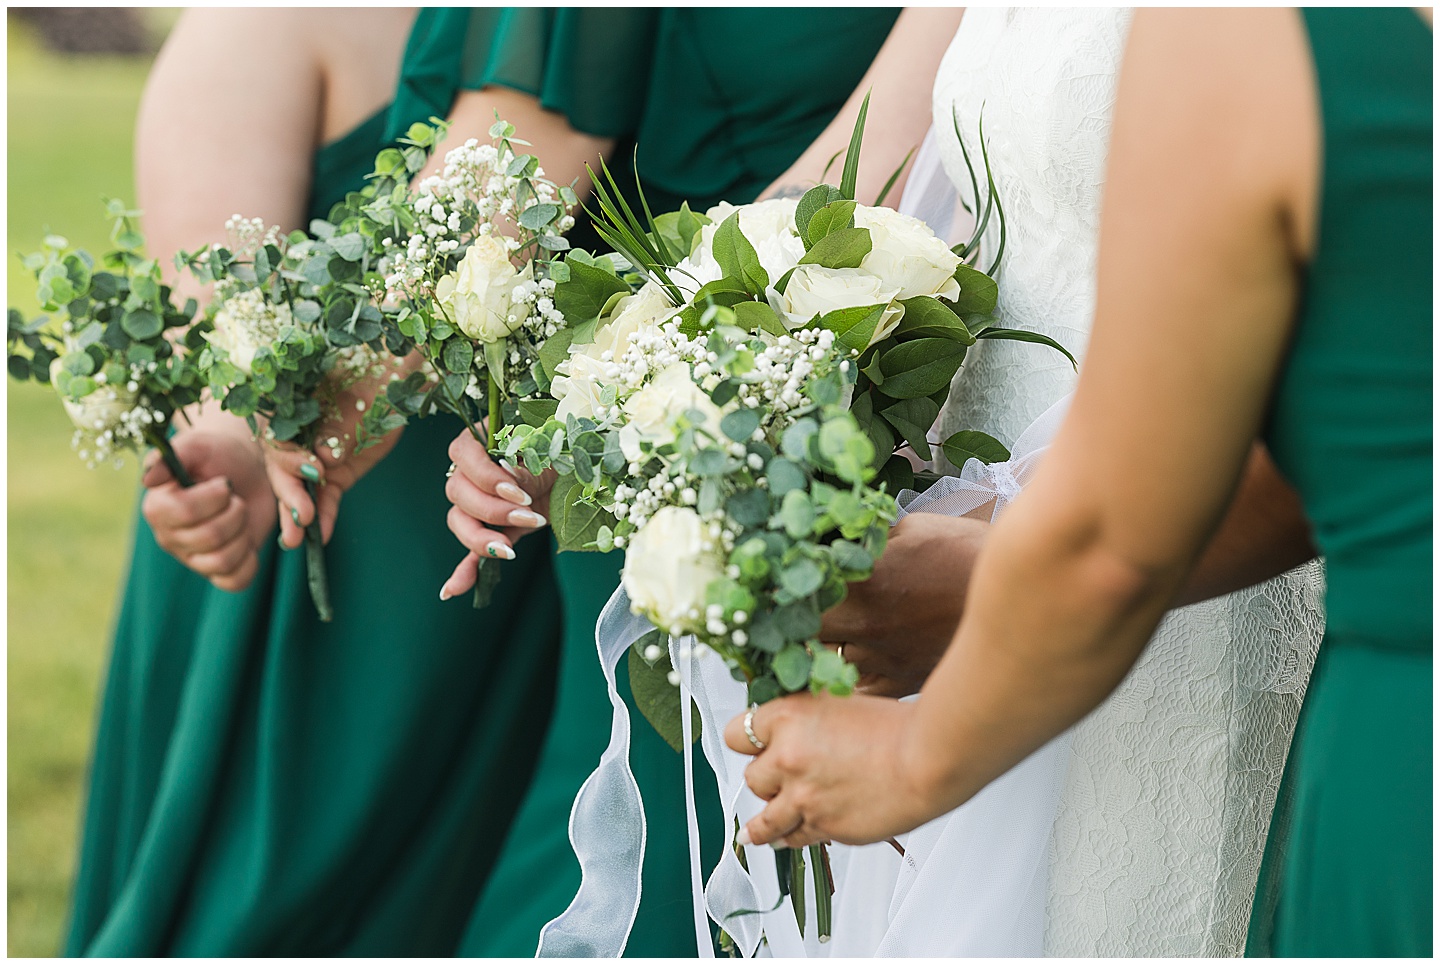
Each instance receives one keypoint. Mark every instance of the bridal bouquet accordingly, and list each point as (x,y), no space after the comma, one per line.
(292,328)
(123,358)
(465,257)
(735,424)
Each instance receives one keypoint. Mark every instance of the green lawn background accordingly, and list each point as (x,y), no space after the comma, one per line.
(71,122)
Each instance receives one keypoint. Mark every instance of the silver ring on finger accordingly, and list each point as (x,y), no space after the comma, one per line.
(758,744)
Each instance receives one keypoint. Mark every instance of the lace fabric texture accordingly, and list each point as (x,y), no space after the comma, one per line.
(1167,797)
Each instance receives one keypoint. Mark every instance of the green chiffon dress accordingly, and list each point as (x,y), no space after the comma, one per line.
(1349,863)
(265,784)
(721,102)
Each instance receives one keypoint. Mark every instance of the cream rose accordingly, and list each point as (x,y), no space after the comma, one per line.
(244,324)
(668,566)
(906,254)
(477,295)
(768,225)
(578,389)
(101,409)
(654,409)
(814,290)
(645,309)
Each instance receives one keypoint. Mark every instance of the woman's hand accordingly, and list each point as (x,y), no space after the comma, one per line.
(217,526)
(832,769)
(495,505)
(896,625)
(290,467)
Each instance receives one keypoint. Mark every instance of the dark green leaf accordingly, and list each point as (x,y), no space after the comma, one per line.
(912,418)
(921,366)
(537,412)
(978,291)
(575,523)
(854,327)
(927,317)
(896,474)
(658,700)
(1015,335)
(459,353)
(972,444)
(582,297)
(758,317)
(736,256)
(749,507)
(813,200)
(845,248)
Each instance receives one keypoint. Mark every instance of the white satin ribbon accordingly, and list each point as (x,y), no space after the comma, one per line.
(1007,823)
(607,821)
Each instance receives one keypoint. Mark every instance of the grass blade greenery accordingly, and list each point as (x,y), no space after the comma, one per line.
(885,191)
(851,171)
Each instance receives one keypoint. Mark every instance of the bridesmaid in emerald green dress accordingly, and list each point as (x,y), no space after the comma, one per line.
(1350,863)
(724,102)
(1266,264)
(263,783)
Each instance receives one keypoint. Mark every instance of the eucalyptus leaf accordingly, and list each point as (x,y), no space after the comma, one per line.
(792,667)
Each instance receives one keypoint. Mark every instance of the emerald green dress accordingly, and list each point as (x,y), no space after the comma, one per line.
(723,101)
(265,784)
(1349,863)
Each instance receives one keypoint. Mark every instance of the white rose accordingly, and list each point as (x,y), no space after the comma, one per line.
(102,409)
(814,290)
(769,226)
(635,313)
(654,409)
(477,296)
(906,254)
(668,566)
(578,389)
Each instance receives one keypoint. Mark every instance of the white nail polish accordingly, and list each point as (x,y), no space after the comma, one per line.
(508,468)
(513,493)
(444,594)
(500,551)
(744,836)
(526,517)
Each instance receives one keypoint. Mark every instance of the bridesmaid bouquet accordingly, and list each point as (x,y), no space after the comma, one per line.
(467,281)
(736,424)
(123,358)
(292,329)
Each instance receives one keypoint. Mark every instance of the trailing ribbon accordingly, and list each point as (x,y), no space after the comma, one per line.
(993,849)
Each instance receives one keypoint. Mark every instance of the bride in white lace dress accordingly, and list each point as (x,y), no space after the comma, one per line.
(1155,806)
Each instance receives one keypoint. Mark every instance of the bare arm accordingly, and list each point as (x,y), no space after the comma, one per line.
(900,82)
(1208,209)
(1216,140)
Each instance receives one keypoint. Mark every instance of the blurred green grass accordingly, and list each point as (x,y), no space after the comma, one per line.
(71,121)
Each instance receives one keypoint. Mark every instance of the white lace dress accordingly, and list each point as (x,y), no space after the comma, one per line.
(1167,796)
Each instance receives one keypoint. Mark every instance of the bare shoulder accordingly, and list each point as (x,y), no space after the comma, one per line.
(1234,90)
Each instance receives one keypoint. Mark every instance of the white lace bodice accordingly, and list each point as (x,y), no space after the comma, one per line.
(1168,792)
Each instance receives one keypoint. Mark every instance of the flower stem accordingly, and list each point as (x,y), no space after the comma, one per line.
(167,454)
(315,573)
(487,577)
(824,889)
(496,419)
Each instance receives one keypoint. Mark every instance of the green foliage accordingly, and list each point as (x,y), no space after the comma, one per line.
(657,699)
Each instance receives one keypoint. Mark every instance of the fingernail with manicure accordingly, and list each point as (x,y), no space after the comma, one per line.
(508,468)
(744,836)
(295,515)
(280,541)
(444,593)
(309,472)
(500,551)
(513,493)
(525,517)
